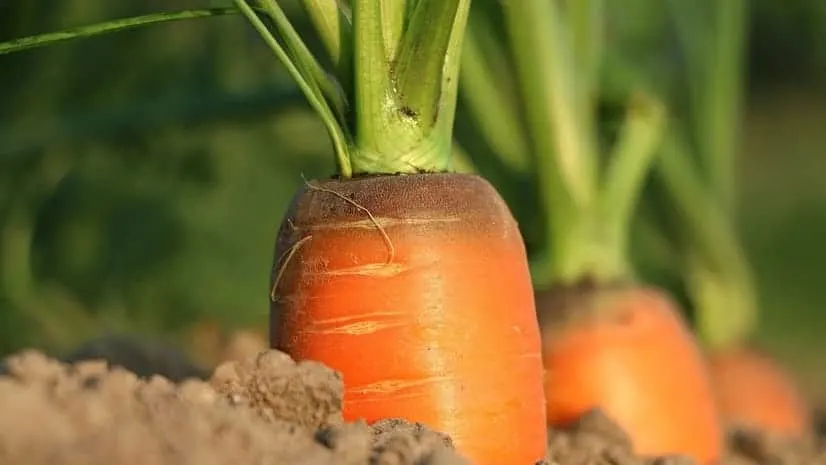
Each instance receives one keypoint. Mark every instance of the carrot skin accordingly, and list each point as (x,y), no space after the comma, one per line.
(628,352)
(425,306)
(753,390)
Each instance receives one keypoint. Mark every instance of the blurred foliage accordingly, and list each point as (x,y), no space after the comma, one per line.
(143,174)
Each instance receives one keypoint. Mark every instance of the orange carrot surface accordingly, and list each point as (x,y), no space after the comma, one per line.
(754,391)
(416,288)
(627,352)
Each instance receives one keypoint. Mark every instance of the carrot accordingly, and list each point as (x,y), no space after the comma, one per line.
(627,351)
(753,390)
(610,341)
(417,289)
(696,196)
(410,280)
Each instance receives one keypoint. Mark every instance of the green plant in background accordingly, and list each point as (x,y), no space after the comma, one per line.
(535,104)
(118,196)
(694,201)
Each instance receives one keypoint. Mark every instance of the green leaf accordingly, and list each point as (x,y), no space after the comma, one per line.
(335,29)
(631,161)
(310,68)
(488,99)
(41,40)
(306,84)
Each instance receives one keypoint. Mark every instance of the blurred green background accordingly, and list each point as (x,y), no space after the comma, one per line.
(143,174)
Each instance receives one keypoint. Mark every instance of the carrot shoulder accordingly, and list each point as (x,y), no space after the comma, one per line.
(416,287)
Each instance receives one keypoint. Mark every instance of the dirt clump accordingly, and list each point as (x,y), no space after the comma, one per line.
(754,447)
(596,440)
(263,410)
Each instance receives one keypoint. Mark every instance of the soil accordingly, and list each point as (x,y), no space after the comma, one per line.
(264,409)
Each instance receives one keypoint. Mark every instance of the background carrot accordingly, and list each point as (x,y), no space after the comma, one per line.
(609,341)
(411,281)
(755,391)
(695,199)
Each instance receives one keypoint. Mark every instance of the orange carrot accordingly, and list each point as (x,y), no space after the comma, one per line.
(417,289)
(626,351)
(753,390)
(410,280)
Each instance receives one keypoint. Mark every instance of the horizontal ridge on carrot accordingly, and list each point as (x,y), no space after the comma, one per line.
(609,341)
(410,280)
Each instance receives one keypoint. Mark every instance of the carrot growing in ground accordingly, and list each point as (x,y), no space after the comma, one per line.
(609,340)
(696,196)
(410,280)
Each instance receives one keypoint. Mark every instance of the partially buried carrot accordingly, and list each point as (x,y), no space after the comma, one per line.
(410,280)
(610,341)
(416,288)
(627,351)
(755,391)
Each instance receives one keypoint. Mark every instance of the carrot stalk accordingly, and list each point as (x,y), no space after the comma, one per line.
(625,174)
(308,87)
(491,108)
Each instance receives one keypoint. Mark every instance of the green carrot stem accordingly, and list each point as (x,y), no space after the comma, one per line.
(630,163)
(394,19)
(373,87)
(452,65)
(341,139)
(396,111)
(324,86)
(41,40)
(586,18)
(565,156)
(421,56)
(487,97)
(335,29)
(718,274)
(334,25)
(720,108)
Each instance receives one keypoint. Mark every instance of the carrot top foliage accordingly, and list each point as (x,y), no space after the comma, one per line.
(534,92)
(389,100)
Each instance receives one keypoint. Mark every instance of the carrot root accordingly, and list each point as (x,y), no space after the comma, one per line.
(444,333)
(627,351)
(754,391)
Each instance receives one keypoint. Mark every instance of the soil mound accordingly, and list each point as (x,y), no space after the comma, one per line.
(268,409)
(263,410)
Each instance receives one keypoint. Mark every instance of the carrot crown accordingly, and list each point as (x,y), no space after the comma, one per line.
(550,68)
(389,97)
